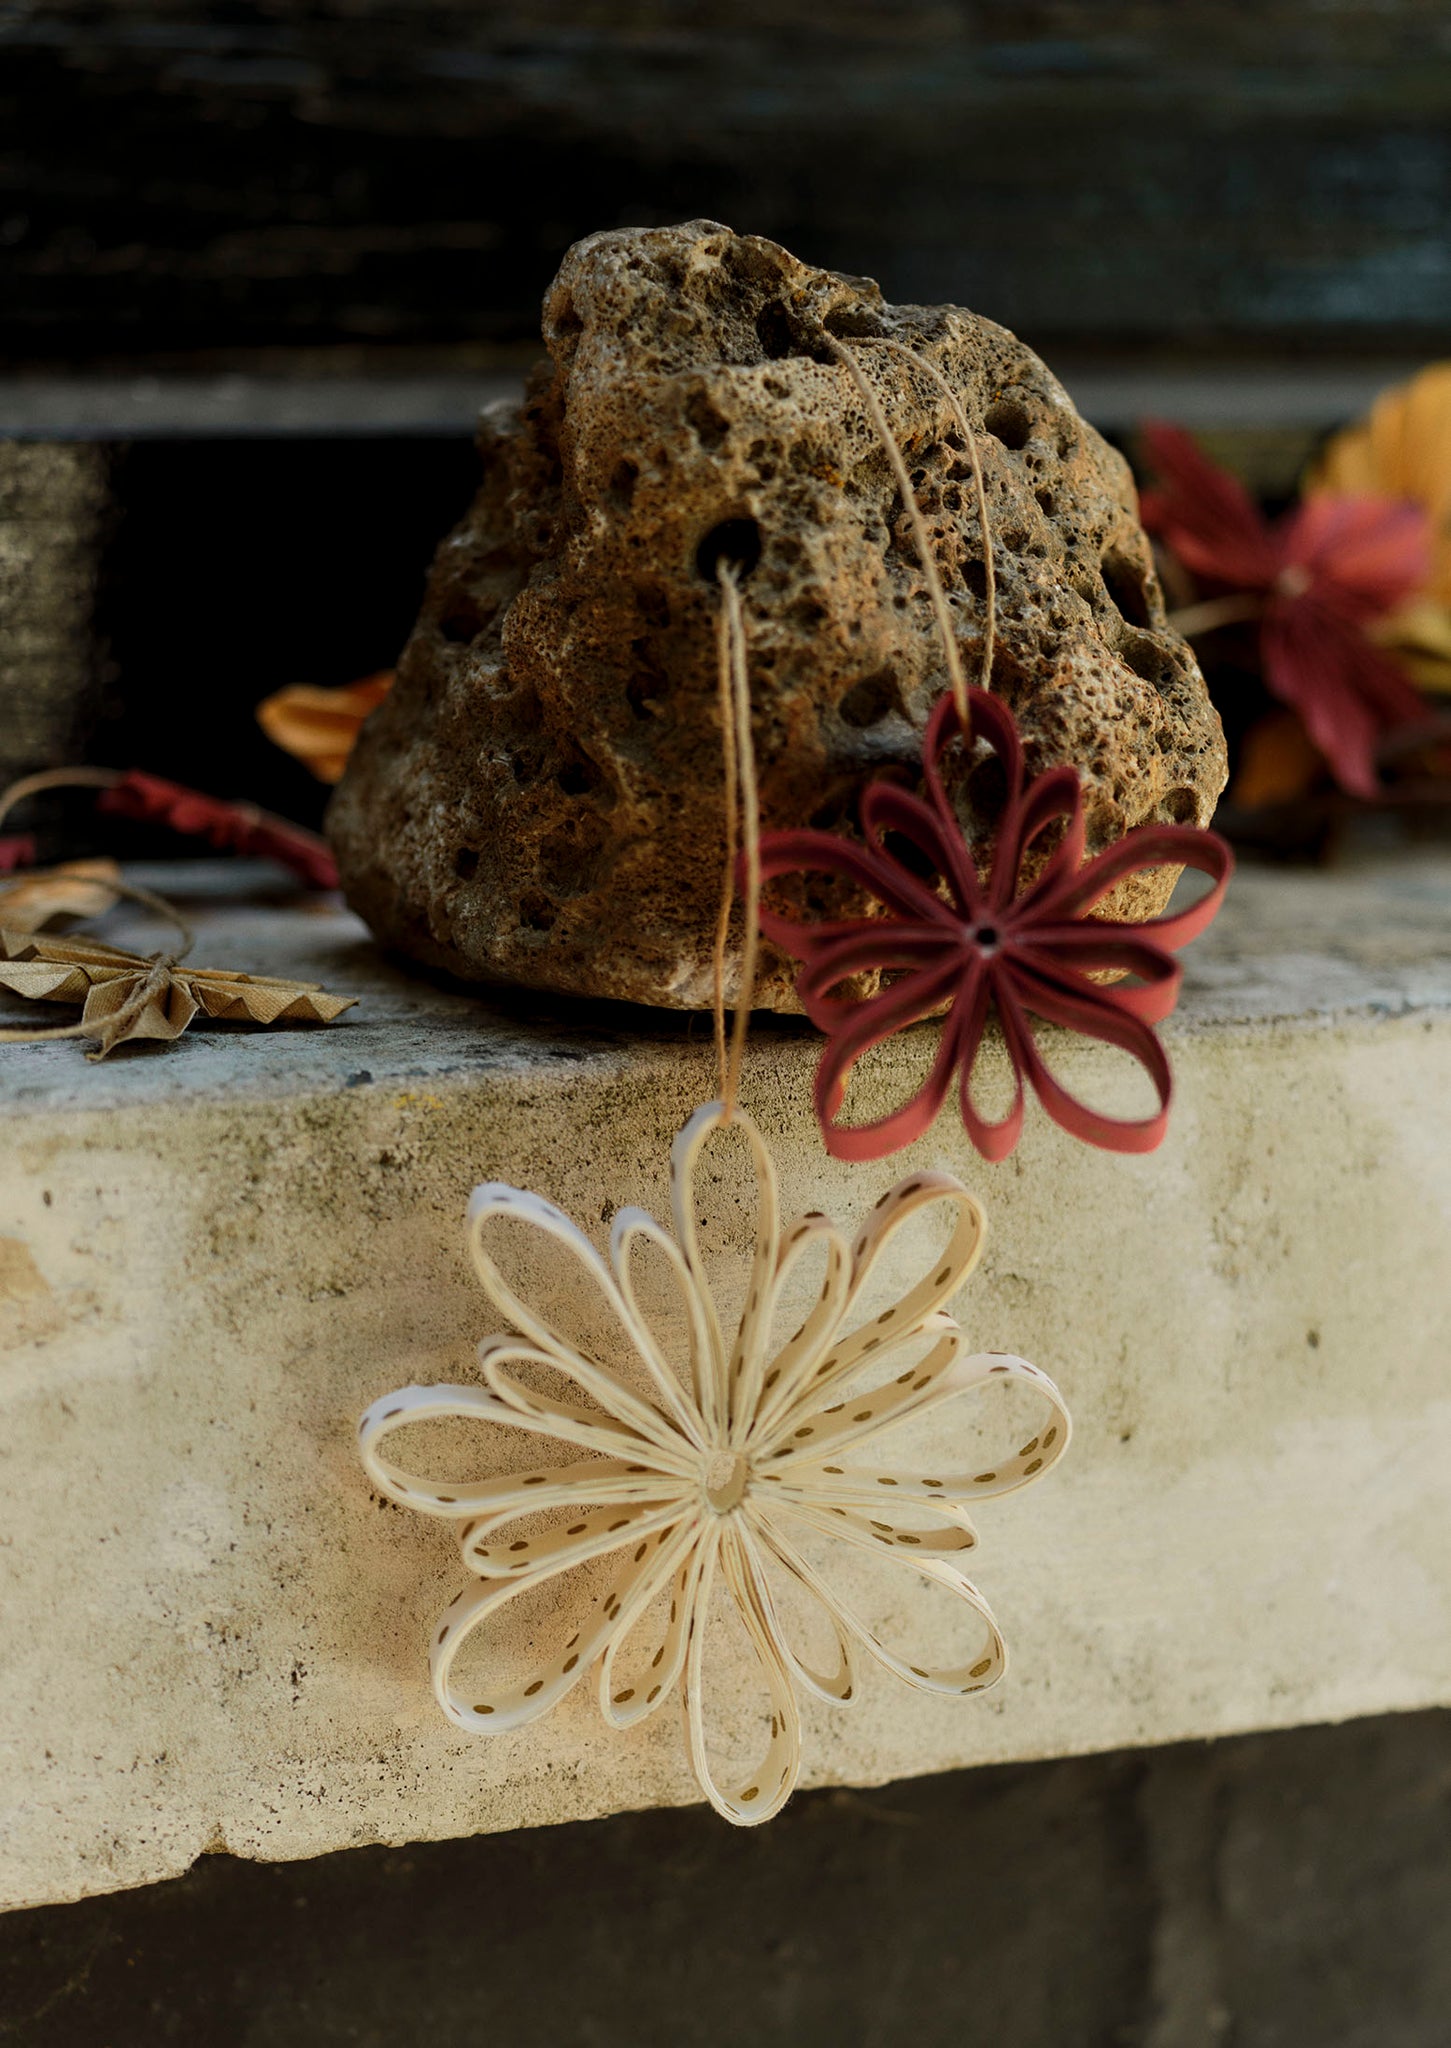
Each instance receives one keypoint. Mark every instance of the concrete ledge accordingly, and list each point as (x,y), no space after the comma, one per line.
(316,398)
(213,1257)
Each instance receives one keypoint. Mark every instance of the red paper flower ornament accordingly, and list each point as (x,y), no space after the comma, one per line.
(1324,573)
(232,827)
(17,850)
(956,943)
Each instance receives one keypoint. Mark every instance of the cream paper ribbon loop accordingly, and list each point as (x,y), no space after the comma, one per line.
(723,1493)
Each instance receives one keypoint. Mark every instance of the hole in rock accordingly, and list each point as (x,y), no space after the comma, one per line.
(1008,421)
(774,331)
(838,809)
(1180,807)
(733,540)
(622,485)
(986,790)
(536,911)
(462,620)
(1009,672)
(578,776)
(571,855)
(466,863)
(645,693)
(1127,586)
(649,686)
(908,854)
(852,323)
(711,426)
(653,602)
(871,700)
(1145,657)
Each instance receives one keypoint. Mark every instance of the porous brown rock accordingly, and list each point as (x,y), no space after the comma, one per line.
(540,799)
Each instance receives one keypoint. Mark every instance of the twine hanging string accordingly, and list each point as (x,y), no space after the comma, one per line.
(742,799)
(56,778)
(161,965)
(743,810)
(892,447)
(990,621)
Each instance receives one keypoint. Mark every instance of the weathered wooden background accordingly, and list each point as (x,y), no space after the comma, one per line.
(334,220)
(185,181)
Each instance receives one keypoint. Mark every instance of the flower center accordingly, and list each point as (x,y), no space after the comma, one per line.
(725,1480)
(1293,580)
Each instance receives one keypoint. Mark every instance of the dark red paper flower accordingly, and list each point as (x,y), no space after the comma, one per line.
(1324,572)
(235,827)
(17,850)
(971,947)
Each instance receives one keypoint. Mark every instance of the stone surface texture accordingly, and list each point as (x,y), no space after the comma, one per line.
(55,514)
(540,801)
(212,1258)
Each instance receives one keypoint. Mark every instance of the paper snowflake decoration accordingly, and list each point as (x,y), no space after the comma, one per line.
(721,1472)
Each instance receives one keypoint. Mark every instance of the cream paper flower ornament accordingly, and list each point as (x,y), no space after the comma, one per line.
(725,1477)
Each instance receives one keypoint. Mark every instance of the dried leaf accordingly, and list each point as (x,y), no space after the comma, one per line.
(1279,763)
(77,888)
(1401,450)
(318,727)
(1419,636)
(128,995)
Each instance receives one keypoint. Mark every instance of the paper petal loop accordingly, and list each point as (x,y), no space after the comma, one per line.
(770,1784)
(983,1669)
(623,1704)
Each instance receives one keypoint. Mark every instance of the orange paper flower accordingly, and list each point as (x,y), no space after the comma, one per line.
(1403,450)
(319,727)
